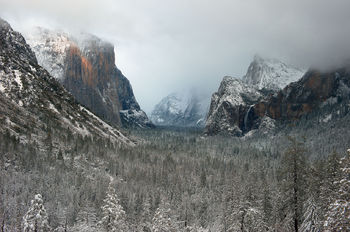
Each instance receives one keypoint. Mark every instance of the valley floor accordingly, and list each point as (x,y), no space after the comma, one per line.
(173,180)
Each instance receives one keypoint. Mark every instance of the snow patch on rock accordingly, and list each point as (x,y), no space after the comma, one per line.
(50,49)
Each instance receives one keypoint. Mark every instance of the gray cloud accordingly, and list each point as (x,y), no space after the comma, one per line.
(164,46)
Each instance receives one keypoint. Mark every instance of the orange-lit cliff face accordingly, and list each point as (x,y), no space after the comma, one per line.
(85,65)
(91,76)
(93,68)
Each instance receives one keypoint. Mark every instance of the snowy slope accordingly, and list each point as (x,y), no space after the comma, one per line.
(271,74)
(186,108)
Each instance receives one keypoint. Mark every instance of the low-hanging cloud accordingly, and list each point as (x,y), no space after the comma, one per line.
(164,46)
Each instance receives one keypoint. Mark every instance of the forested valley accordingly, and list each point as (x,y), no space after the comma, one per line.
(173,180)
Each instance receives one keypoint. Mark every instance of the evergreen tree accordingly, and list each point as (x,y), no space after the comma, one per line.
(162,221)
(36,218)
(338,215)
(146,217)
(313,213)
(312,221)
(330,182)
(267,207)
(113,219)
(294,172)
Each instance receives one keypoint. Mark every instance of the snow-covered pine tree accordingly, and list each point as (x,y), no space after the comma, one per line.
(313,206)
(162,221)
(36,218)
(330,182)
(113,215)
(293,173)
(312,221)
(338,215)
(146,216)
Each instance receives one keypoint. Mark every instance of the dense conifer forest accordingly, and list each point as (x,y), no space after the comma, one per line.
(173,180)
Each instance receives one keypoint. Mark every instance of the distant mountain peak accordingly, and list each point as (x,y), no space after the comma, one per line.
(271,73)
(185,109)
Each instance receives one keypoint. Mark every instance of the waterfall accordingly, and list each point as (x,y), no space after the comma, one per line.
(246,117)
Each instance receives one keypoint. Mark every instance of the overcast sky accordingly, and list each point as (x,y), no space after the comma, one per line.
(164,46)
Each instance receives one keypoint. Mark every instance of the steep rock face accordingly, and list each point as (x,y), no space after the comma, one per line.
(306,95)
(237,107)
(85,65)
(311,93)
(185,109)
(31,99)
(271,74)
(229,107)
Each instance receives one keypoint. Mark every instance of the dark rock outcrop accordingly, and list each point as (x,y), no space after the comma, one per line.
(230,107)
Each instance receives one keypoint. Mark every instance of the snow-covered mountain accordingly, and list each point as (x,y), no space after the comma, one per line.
(240,106)
(271,74)
(85,66)
(231,109)
(33,104)
(186,109)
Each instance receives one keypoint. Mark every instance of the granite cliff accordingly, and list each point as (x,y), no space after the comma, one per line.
(85,66)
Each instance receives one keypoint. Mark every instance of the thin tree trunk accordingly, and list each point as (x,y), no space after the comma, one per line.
(295,188)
